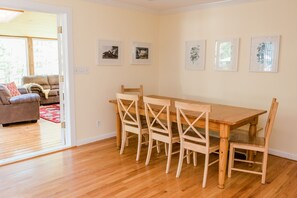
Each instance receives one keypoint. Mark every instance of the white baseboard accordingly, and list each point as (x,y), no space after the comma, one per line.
(283,154)
(113,134)
(96,138)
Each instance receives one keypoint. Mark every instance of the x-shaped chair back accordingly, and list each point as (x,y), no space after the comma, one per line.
(128,109)
(158,115)
(190,114)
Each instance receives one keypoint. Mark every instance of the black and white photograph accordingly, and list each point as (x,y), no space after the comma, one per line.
(109,52)
(141,53)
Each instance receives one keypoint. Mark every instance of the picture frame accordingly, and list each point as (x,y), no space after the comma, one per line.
(226,54)
(141,53)
(195,55)
(109,52)
(264,53)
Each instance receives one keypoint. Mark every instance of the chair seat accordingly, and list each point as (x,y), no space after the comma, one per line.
(244,138)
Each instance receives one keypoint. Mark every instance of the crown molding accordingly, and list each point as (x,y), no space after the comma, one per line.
(125,5)
(173,11)
(221,3)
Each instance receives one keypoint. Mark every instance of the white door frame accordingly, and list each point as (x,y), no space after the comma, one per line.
(66,17)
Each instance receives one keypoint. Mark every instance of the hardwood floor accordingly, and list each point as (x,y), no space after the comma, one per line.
(23,138)
(98,170)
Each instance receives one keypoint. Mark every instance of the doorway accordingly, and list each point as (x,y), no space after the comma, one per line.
(66,79)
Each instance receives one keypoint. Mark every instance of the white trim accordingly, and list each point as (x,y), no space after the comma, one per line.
(67,34)
(31,155)
(206,6)
(283,154)
(96,138)
(174,10)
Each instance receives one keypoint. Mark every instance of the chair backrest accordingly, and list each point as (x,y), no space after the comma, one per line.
(138,90)
(128,110)
(157,113)
(187,116)
(270,120)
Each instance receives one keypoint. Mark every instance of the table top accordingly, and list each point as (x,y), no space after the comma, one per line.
(225,114)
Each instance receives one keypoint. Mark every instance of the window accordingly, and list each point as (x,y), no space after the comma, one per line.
(15,62)
(45,56)
(13,59)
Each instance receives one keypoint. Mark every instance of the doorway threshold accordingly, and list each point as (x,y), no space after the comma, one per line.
(29,156)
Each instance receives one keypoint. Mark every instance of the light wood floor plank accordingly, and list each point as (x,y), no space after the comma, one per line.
(98,170)
(23,138)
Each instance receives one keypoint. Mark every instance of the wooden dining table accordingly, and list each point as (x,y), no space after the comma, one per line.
(222,119)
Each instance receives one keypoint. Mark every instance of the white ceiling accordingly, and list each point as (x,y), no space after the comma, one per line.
(166,5)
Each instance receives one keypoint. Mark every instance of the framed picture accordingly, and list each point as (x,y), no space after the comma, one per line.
(264,54)
(226,54)
(109,52)
(141,53)
(195,55)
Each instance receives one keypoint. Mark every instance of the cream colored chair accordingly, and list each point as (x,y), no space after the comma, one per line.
(193,138)
(260,144)
(137,91)
(158,119)
(134,91)
(128,110)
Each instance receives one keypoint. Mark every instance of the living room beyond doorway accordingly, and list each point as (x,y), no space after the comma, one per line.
(29,50)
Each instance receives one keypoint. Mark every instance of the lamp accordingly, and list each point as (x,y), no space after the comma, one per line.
(6,15)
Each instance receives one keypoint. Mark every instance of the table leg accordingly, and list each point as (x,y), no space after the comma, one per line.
(118,129)
(224,145)
(252,134)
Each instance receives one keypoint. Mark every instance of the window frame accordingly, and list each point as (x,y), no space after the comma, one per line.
(30,50)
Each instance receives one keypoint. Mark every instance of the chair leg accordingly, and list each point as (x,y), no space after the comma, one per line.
(264,167)
(146,139)
(149,151)
(124,139)
(205,170)
(139,146)
(231,160)
(166,150)
(169,157)
(158,146)
(195,158)
(180,161)
(188,157)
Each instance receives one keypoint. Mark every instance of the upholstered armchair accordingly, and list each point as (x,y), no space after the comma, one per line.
(24,107)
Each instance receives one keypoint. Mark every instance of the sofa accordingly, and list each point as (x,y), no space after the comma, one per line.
(24,107)
(46,86)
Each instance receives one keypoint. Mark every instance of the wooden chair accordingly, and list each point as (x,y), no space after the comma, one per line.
(131,123)
(135,91)
(158,119)
(138,91)
(255,144)
(193,138)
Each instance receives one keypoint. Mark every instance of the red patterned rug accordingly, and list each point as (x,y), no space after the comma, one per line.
(50,112)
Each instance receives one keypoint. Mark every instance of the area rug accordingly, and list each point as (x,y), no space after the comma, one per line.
(50,112)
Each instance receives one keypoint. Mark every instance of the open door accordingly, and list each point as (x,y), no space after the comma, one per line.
(61,77)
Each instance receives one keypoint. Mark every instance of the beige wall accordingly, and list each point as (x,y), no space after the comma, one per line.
(32,24)
(92,21)
(243,88)
(167,75)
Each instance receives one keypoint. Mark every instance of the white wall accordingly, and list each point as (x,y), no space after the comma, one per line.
(242,88)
